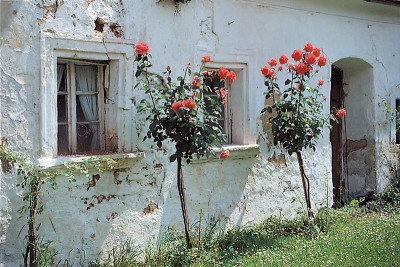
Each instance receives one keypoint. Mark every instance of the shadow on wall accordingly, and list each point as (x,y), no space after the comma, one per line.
(356,153)
(216,188)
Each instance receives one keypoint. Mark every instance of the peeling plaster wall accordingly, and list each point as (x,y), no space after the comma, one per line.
(140,201)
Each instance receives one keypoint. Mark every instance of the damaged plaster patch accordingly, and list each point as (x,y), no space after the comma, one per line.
(354,145)
(279,161)
(150,208)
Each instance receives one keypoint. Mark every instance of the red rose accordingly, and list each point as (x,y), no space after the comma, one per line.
(297,55)
(142,48)
(231,76)
(272,62)
(266,71)
(320,82)
(223,93)
(280,68)
(341,113)
(224,154)
(316,51)
(168,68)
(196,82)
(308,47)
(207,58)
(176,106)
(311,59)
(301,68)
(223,73)
(196,94)
(317,71)
(321,61)
(324,97)
(283,59)
(292,67)
(298,86)
(189,103)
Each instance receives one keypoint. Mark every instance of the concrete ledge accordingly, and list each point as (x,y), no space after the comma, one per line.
(123,160)
(235,152)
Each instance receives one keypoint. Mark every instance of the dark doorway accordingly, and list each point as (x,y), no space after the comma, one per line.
(337,97)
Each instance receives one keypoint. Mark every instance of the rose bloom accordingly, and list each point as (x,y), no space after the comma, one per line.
(311,59)
(298,86)
(266,71)
(142,48)
(317,71)
(341,113)
(223,93)
(324,97)
(301,68)
(308,47)
(320,82)
(272,62)
(224,154)
(176,106)
(321,61)
(297,55)
(283,59)
(316,51)
(196,82)
(189,103)
(207,58)
(280,68)
(292,67)
(231,76)
(223,73)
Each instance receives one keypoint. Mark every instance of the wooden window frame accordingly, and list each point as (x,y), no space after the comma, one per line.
(71,94)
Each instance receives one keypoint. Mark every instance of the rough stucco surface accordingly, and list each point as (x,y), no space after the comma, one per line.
(140,201)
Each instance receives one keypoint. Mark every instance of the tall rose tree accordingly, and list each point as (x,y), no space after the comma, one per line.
(295,114)
(178,113)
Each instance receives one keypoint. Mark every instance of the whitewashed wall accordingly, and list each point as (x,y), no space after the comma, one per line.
(256,182)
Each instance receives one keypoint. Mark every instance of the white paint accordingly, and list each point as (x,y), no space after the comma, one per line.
(244,189)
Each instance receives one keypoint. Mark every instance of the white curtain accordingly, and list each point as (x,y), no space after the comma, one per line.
(86,79)
(60,72)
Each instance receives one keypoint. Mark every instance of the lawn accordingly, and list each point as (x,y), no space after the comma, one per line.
(364,240)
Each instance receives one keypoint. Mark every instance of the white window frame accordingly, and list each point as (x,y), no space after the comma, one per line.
(237,109)
(120,55)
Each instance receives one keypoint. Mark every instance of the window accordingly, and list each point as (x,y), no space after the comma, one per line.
(80,109)
(98,117)
(213,81)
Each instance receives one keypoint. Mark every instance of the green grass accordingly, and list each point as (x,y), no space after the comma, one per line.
(369,240)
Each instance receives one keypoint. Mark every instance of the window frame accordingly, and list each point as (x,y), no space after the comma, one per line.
(238,101)
(121,55)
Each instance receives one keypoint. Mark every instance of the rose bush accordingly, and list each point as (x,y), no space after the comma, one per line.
(177,112)
(295,116)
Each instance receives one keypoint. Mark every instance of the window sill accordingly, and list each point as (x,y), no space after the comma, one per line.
(123,160)
(235,152)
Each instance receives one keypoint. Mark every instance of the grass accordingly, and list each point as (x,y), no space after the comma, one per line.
(349,236)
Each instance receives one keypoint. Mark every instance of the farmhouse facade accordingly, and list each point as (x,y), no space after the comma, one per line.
(67,72)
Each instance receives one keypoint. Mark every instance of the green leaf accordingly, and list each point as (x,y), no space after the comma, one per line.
(172,158)
(288,81)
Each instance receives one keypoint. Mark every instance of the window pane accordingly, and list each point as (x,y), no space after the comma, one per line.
(87,108)
(62,113)
(86,78)
(87,137)
(62,139)
(61,75)
(212,80)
